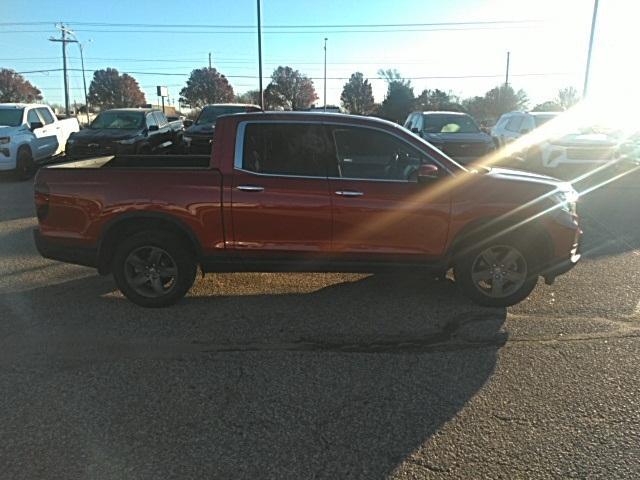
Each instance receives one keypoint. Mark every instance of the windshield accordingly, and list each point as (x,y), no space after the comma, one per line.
(449,124)
(11,117)
(210,114)
(119,120)
(542,119)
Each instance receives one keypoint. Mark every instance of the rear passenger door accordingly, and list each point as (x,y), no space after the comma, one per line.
(52,130)
(164,140)
(280,200)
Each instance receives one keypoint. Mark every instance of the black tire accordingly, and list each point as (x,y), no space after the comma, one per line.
(478,292)
(25,166)
(179,258)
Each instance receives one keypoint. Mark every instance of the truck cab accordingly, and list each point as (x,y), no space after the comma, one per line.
(30,134)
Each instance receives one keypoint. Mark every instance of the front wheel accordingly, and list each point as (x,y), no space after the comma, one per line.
(498,274)
(154,268)
(25,166)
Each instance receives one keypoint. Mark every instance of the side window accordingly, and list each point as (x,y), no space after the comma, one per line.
(369,154)
(46,116)
(151,120)
(33,116)
(161,120)
(408,124)
(514,123)
(286,149)
(502,122)
(419,122)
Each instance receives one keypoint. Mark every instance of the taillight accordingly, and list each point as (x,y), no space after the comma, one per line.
(41,197)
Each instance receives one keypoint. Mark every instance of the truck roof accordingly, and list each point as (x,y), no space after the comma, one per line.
(231,105)
(312,116)
(21,105)
(145,110)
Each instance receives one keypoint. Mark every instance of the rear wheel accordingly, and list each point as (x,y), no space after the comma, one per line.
(25,166)
(154,268)
(497,274)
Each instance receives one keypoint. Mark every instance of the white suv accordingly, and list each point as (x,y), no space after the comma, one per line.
(513,125)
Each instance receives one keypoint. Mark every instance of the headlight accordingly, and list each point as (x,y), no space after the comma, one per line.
(4,140)
(566,199)
(127,141)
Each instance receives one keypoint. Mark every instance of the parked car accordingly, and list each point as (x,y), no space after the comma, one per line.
(126,131)
(30,134)
(199,136)
(306,192)
(454,133)
(586,146)
(511,126)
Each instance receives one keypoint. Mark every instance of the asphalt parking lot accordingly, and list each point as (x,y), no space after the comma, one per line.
(322,375)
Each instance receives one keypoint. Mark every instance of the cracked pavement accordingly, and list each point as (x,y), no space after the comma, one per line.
(322,375)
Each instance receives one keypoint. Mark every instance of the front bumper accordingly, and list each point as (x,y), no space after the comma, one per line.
(64,252)
(8,155)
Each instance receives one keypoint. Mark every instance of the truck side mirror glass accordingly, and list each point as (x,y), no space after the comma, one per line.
(153,128)
(34,125)
(415,130)
(187,123)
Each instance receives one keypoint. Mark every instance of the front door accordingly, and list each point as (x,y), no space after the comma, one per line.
(280,201)
(378,205)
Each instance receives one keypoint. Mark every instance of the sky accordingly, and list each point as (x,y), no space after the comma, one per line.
(162,41)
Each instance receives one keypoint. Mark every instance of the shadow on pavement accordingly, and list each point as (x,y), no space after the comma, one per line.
(343,381)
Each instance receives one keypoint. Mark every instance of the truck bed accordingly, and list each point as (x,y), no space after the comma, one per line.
(155,162)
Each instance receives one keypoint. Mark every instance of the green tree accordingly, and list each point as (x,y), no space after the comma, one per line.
(437,100)
(290,90)
(357,96)
(15,89)
(399,99)
(109,89)
(548,106)
(567,97)
(205,86)
(250,96)
(495,102)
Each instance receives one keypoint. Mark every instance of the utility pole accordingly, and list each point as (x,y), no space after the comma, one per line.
(209,59)
(593,31)
(260,56)
(325,74)
(64,40)
(506,78)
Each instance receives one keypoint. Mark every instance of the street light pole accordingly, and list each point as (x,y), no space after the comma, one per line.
(325,74)
(593,30)
(84,83)
(260,56)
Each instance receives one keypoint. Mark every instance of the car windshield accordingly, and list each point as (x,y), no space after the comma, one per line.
(210,114)
(449,124)
(542,119)
(119,120)
(11,117)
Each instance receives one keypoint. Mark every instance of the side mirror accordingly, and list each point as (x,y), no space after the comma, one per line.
(415,130)
(187,123)
(427,173)
(34,125)
(153,128)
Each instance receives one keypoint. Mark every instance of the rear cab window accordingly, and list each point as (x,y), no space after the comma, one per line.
(286,149)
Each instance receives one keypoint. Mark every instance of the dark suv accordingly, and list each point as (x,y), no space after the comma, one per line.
(199,136)
(454,133)
(125,131)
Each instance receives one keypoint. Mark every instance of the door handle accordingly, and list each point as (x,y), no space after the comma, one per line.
(349,193)
(250,188)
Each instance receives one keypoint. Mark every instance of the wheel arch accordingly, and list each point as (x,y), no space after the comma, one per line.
(486,229)
(129,223)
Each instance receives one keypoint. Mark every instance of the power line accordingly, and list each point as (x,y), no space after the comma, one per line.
(353,25)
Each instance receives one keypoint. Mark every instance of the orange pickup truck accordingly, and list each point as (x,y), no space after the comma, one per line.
(306,192)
